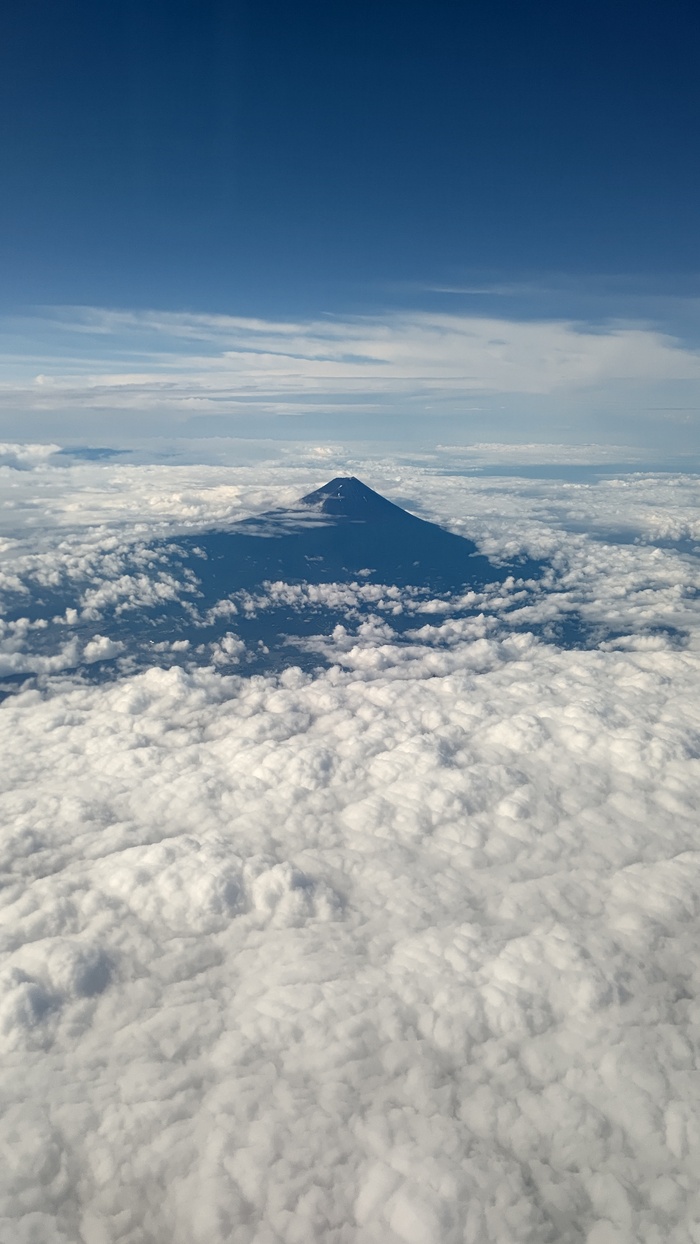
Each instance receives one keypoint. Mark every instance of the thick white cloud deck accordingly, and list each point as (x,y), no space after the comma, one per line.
(402,952)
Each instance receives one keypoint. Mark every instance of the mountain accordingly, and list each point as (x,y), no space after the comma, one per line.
(339,532)
(269,587)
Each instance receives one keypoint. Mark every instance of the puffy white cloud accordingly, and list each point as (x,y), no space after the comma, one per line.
(17,654)
(226,651)
(102,648)
(24,457)
(339,958)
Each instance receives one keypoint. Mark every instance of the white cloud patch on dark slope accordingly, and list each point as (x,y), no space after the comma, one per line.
(402,952)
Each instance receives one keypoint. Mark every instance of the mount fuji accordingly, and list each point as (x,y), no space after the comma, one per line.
(336,533)
(262,594)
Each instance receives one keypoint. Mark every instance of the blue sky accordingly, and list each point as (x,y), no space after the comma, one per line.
(503,162)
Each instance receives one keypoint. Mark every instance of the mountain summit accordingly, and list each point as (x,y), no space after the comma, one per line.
(347,497)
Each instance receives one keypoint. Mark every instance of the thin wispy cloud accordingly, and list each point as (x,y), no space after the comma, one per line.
(127,357)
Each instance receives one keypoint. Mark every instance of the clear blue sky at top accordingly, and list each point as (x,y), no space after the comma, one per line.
(266,158)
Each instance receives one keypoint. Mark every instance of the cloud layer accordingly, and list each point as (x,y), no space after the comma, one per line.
(403,952)
(411,958)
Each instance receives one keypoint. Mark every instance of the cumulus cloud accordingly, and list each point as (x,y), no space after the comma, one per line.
(101,648)
(23,457)
(404,951)
(408,958)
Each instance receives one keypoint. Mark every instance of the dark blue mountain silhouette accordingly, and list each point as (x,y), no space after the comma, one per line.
(343,533)
(337,533)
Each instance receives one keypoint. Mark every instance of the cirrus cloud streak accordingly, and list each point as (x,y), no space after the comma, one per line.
(98,359)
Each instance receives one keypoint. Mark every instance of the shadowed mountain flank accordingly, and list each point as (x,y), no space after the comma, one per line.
(268,591)
(339,532)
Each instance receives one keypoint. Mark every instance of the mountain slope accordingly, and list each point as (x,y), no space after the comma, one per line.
(339,532)
(269,586)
